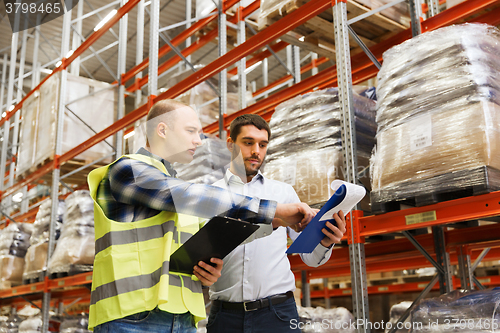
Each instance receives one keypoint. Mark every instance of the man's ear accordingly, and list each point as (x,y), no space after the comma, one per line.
(161,130)
(230,144)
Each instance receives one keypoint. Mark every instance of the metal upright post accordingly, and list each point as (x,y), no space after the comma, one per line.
(188,25)
(242,64)
(19,96)
(296,63)
(348,134)
(314,57)
(415,14)
(139,48)
(464,268)
(35,70)
(4,81)
(75,65)
(327,298)
(154,25)
(289,61)
(10,100)
(443,259)
(265,74)
(223,73)
(122,62)
(433,8)
(54,195)
(306,291)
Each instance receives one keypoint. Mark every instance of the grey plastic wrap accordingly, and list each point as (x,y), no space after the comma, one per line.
(75,248)
(438,113)
(76,324)
(36,256)
(305,149)
(31,325)
(204,100)
(11,325)
(396,312)
(209,163)
(321,320)
(458,311)
(27,134)
(14,242)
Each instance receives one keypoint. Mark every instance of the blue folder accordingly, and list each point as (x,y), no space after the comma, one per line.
(310,237)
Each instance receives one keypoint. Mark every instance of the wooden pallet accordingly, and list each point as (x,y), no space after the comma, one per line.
(34,277)
(317,34)
(71,270)
(467,185)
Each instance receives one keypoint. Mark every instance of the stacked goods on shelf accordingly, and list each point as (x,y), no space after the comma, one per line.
(398,12)
(91,109)
(78,324)
(75,249)
(204,100)
(36,256)
(209,163)
(31,325)
(321,320)
(11,325)
(458,311)
(14,242)
(305,149)
(438,116)
(396,312)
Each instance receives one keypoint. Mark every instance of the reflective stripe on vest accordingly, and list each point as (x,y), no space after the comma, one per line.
(131,266)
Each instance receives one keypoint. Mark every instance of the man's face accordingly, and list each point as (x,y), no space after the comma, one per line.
(183,136)
(252,144)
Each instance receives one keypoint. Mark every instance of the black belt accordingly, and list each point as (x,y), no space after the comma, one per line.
(254,305)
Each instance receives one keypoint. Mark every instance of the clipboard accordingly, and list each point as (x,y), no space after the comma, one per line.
(216,239)
(346,196)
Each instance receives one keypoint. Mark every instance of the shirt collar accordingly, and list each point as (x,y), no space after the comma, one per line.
(166,163)
(231,177)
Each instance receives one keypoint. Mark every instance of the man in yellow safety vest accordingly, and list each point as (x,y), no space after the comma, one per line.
(143,214)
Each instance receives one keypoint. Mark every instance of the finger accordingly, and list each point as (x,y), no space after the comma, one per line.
(202,279)
(333,237)
(206,267)
(218,262)
(340,222)
(335,230)
(341,215)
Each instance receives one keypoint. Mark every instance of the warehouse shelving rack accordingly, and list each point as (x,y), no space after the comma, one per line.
(348,71)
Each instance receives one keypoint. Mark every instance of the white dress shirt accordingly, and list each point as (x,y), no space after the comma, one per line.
(260,268)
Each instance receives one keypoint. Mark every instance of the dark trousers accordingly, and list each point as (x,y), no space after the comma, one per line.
(274,319)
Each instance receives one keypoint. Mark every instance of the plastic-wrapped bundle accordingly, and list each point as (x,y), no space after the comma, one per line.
(78,324)
(11,325)
(458,311)
(27,134)
(36,256)
(305,150)
(14,242)
(204,100)
(438,114)
(31,325)
(396,312)
(209,162)
(75,249)
(321,320)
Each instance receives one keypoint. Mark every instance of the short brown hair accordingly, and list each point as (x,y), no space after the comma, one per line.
(158,109)
(248,119)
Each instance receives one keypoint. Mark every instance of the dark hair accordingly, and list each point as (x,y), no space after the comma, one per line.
(248,119)
(158,109)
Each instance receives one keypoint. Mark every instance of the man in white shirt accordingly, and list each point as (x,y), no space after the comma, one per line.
(255,291)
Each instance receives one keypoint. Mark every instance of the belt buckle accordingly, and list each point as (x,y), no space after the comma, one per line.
(245,306)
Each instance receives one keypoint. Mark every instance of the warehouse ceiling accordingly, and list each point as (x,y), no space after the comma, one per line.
(104,66)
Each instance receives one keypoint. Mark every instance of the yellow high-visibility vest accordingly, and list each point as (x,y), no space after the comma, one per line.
(131,265)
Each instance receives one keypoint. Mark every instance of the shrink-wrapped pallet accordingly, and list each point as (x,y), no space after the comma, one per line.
(305,149)
(11,325)
(204,100)
(36,256)
(14,242)
(458,311)
(209,163)
(75,248)
(91,109)
(438,115)
(397,310)
(31,325)
(76,324)
(27,134)
(321,320)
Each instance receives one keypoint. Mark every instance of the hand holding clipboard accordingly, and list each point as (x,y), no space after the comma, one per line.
(346,196)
